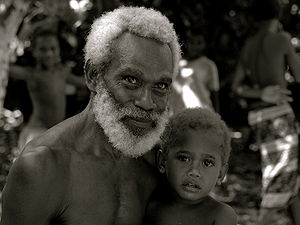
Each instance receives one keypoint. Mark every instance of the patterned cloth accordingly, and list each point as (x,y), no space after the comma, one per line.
(276,133)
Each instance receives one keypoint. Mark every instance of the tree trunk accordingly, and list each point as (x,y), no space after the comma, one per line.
(10,20)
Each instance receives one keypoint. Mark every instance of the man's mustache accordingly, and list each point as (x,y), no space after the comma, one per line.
(129,111)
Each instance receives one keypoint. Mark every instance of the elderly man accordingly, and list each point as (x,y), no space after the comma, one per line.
(90,169)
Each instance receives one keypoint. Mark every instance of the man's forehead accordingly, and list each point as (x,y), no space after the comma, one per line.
(135,50)
(128,41)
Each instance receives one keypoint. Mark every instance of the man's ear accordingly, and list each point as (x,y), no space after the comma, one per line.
(91,75)
(161,161)
(222,173)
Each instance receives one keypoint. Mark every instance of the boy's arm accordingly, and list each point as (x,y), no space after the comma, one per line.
(29,195)
(214,95)
(239,88)
(18,72)
(225,216)
(76,80)
(270,94)
(214,86)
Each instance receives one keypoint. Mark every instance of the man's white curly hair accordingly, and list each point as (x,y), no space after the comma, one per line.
(143,22)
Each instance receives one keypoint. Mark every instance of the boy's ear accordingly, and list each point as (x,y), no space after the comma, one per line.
(161,161)
(222,173)
(91,75)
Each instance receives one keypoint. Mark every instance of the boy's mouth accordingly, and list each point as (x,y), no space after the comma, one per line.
(191,186)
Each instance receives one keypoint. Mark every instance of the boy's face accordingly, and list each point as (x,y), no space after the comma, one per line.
(194,168)
(196,46)
(46,51)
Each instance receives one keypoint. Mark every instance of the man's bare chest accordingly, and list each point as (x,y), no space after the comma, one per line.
(109,194)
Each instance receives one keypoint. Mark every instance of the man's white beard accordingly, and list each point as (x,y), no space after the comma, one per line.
(108,115)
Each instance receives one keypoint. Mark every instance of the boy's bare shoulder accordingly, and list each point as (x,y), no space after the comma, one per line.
(281,39)
(224,214)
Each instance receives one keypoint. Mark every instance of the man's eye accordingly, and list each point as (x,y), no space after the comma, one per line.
(183,158)
(131,79)
(208,163)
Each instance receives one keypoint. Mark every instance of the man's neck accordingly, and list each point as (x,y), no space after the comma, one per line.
(92,129)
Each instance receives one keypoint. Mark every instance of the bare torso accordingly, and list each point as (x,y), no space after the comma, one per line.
(108,191)
(79,180)
(163,212)
(47,92)
(264,57)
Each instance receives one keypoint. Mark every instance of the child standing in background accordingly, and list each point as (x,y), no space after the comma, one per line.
(46,83)
(193,158)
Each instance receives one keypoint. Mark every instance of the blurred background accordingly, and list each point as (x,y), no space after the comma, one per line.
(225,25)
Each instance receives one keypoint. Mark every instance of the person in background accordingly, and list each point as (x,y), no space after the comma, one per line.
(46,83)
(193,158)
(197,85)
(96,167)
(260,79)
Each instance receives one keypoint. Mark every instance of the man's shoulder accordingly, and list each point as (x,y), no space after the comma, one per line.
(49,151)
(39,161)
(37,181)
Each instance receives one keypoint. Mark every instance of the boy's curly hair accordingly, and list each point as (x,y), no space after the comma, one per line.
(196,119)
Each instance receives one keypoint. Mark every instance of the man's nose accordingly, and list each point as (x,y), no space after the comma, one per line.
(144,100)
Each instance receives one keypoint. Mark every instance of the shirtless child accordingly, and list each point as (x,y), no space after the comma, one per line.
(194,158)
(46,83)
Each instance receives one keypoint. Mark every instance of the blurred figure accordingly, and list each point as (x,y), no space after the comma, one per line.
(197,85)
(46,83)
(260,79)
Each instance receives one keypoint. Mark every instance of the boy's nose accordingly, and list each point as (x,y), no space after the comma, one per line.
(194,173)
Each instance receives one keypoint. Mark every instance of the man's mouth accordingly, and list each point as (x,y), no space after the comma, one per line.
(191,186)
(140,123)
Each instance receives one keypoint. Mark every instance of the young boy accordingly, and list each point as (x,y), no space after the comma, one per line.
(46,83)
(193,158)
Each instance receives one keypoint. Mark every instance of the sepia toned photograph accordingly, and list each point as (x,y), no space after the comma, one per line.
(149,112)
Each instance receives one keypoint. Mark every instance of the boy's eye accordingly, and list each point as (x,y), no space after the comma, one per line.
(183,158)
(208,163)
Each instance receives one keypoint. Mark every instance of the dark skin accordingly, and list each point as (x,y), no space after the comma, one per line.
(71,174)
(46,82)
(195,161)
(169,212)
(267,54)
